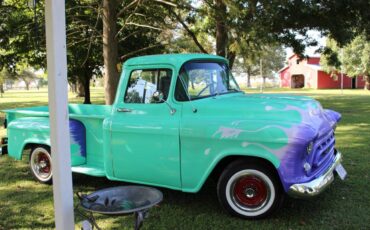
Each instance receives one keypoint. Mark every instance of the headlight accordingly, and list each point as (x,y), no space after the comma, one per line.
(307,167)
(309,147)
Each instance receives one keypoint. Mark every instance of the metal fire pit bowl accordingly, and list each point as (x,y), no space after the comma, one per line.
(121,200)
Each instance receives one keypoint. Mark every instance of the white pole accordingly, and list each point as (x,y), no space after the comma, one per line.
(58,109)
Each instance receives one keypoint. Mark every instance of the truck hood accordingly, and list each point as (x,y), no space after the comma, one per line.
(271,118)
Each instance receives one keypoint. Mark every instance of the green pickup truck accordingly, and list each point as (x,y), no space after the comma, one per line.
(178,120)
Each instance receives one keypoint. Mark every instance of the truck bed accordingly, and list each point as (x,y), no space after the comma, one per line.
(91,116)
(75,111)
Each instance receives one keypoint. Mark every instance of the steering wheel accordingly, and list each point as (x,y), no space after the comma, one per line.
(202,91)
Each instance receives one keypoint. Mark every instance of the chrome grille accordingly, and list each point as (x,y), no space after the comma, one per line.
(323,151)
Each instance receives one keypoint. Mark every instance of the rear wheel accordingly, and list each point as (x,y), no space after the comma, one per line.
(249,190)
(40,164)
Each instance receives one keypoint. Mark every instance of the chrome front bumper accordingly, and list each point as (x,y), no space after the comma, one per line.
(316,186)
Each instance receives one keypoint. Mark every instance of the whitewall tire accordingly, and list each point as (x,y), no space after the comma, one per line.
(40,164)
(249,190)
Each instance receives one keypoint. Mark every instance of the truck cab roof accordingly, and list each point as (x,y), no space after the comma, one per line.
(176,60)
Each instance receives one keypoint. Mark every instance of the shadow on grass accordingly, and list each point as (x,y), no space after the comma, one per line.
(28,204)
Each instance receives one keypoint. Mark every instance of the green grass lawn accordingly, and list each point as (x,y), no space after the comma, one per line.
(26,204)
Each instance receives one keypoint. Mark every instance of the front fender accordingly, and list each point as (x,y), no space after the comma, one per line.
(195,177)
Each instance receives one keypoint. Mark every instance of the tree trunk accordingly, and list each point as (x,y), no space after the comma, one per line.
(87,99)
(1,89)
(231,57)
(80,89)
(110,47)
(367,82)
(72,87)
(87,84)
(221,30)
(249,72)
(27,85)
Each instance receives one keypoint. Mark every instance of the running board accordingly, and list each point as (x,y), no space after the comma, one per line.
(89,170)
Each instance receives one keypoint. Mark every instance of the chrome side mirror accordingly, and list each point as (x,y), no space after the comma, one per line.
(158,97)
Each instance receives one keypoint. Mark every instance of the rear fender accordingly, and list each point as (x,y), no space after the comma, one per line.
(24,131)
(35,130)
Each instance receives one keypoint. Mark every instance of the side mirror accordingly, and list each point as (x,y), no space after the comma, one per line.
(158,97)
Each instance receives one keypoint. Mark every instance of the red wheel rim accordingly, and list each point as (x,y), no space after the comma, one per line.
(44,161)
(250,191)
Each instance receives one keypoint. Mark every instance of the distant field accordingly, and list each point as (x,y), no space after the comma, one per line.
(25,204)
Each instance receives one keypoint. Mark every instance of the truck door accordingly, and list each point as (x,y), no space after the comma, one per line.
(145,135)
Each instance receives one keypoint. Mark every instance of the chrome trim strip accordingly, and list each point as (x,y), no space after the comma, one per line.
(316,186)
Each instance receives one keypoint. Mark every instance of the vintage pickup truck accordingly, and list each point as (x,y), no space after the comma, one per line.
(178,120)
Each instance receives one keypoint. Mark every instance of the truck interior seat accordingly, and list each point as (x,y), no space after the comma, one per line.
(164,86)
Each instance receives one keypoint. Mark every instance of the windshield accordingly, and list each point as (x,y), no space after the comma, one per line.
(203,79)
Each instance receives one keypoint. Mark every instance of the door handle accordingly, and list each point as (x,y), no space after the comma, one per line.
(124,110)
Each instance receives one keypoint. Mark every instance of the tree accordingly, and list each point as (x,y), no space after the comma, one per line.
(21,72)
(84,47)
(119,18)
(2,80)
(272,58)
(27,76)
(329,59)
(23,37)
(131,28)
(356,59)
(352,59)
(266,22)
(110,49)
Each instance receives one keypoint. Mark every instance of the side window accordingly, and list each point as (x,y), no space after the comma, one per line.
(144,83)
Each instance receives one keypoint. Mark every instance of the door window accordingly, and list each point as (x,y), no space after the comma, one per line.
(144,83)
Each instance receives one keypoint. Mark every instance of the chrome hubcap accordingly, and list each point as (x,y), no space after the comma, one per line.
(41,164)
(250,192)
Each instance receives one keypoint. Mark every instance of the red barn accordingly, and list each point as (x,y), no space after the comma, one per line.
(308,73)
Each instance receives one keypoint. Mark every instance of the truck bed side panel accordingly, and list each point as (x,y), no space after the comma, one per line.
(35,130)
(31,125)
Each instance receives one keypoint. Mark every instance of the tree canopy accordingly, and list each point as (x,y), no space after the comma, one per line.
(105,33)
(257,23)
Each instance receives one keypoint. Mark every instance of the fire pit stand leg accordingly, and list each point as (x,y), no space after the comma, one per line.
(92,221)
(139,218)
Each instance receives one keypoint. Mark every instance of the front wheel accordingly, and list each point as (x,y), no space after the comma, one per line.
(40,164)
(249,190)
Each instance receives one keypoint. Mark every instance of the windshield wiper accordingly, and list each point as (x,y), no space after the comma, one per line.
(216,94)
(226,92)
(236,90)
